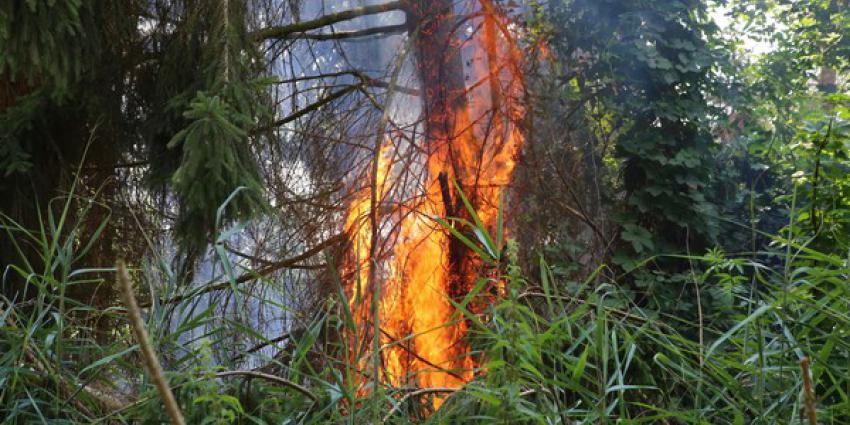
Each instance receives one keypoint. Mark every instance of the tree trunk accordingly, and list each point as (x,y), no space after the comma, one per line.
(445,112)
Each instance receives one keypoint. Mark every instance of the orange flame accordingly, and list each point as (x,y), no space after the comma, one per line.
(422,336)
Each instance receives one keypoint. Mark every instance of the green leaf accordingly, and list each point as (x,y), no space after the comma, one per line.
(108,359)
(728,334)
(639,237)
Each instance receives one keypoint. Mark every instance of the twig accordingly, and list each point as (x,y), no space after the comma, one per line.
(253,275)
(808,392)
(414,394)
(262,345)
(394,340)
(148,354)
(385,30)
(272,378)
(306,110)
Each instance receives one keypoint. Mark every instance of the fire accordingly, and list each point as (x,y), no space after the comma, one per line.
(472,136)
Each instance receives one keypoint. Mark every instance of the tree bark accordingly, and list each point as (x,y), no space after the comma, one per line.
(445,107)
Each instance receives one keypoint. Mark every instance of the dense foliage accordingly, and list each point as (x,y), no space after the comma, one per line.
(681,252)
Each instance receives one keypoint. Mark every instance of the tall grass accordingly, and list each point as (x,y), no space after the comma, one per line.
(552,351)
(44,332)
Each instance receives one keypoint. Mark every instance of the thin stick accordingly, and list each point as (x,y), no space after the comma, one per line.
(375,193)
(434,390)
(148,355)
(271,378)
(808,392)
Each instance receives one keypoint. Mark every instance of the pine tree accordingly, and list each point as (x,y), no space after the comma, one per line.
(176,94)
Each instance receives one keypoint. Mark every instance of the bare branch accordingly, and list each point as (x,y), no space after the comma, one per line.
(310,108)
(286,31)
(352,72)
(416,393)
(271,378)
(271,268)
(341,35)
(265,344)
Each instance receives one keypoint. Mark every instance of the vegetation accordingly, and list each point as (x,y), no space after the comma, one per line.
(672,247)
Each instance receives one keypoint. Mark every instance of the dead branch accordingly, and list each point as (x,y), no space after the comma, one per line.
(148,353)
(285,31)
(342,35)
(264,344)
(271,268)
(309,108)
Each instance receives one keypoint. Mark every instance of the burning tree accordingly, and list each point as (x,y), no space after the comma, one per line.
(404,271)
(471,116)
(216,92)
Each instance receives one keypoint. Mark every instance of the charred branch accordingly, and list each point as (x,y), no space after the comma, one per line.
(447,195)
(414,354)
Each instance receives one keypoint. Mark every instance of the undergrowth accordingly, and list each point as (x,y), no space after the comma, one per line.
(552,350)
